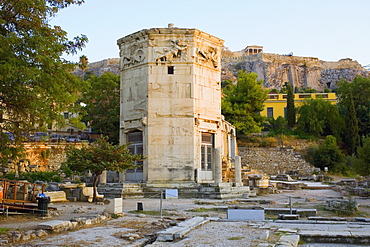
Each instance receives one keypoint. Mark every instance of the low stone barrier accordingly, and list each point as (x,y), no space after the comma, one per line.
(344,237)
(301,211)
(53,226)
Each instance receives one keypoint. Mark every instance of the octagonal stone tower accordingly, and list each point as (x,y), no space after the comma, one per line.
(171,106)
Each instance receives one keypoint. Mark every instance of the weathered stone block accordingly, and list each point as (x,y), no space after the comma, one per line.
(54,225)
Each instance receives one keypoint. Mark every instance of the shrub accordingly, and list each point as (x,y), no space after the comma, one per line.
(35,176)
(269,142)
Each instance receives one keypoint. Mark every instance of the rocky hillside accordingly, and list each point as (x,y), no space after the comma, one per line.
(276,69)
(100,67)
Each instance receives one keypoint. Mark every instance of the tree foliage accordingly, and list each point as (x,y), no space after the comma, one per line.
(327,154)
(351,137)
(102,105)
(318,117)
(243,102)
(360,90)
(36,85)
(277,126)
(100,156)
(362,159)
(290,108)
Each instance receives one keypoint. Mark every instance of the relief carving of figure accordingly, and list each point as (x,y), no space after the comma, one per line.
(173,50)
(209,54)
(134,55)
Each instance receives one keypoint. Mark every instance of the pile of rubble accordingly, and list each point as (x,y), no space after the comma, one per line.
(272,161)
(353,187)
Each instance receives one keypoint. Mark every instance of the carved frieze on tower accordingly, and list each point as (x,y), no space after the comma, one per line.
(170,50)
(131,55)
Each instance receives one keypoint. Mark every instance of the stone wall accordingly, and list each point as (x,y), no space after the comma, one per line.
(39,157)
(272,161)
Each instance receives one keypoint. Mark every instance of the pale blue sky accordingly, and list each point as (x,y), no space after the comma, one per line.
(326,29)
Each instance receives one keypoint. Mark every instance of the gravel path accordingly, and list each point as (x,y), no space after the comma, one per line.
(118,232)
(219,234)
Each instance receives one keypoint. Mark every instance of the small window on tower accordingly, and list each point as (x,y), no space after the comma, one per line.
(171,70)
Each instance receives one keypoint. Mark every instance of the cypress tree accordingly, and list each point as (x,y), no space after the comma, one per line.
(290,108)
(351,132)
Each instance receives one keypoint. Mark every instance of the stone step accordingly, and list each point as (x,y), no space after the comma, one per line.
(338,236)
(301,211)
(121,190)
(288,216)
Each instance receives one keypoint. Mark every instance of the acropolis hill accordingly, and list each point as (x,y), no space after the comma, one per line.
(273,69)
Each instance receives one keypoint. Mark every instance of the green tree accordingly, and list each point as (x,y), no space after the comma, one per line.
(243,102)
(102,105)
(359,88)
(328,155)
(318,117)
(350,136)
(290,108)
(100,156)
(306,90)
(277,126)
(362,160)
(36,83)
(226,83)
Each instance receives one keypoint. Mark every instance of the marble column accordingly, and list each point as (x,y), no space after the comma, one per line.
(238,170)
(103,177)
(122,177)
(218,165)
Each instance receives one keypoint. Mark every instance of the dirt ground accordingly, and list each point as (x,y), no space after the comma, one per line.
(121,231)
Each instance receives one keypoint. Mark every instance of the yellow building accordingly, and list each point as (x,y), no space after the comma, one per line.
(275,105)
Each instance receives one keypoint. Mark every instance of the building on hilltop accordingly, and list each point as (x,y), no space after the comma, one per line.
(171,111)
(253,49)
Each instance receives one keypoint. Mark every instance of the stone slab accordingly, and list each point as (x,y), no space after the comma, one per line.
(288,230)
(360,234)
(56,196)
(191,222)
(185,229)
(301,211)
(338,236)
(306,211)
(331,234)
(361,219)
(288,216)
(310,222)
(176,232)
(288,240)
(54,225)
(320,218)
